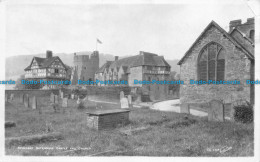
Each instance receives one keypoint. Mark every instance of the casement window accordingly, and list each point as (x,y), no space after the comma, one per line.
(211,63)
(56,71)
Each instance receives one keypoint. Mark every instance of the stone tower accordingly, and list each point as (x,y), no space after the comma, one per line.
(248,28)
(86,66)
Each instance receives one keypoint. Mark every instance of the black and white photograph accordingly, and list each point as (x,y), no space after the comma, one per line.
(142,79)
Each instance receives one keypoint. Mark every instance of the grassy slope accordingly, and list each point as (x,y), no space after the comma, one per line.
(171,134)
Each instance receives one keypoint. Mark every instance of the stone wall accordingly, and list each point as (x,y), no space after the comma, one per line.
(86,66)
(136,73)
(237,67)
(156,91)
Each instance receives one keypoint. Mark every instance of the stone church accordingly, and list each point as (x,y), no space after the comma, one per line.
(219,55)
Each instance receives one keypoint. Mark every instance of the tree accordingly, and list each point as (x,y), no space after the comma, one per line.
(19,84)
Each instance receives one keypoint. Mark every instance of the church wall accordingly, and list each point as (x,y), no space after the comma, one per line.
(237,67)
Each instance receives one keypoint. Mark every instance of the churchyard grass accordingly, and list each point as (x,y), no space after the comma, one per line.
(169,134)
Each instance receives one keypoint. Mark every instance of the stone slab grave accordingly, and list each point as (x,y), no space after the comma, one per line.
(9,124)
(107,119)
(34,103)
(122,94)
(216,111)
(26,100)
(52,99)
(124,103)
(185,108)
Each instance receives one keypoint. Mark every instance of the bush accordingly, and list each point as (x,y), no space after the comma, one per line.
(243,113)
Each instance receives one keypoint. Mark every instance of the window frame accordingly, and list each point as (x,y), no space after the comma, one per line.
(219,49)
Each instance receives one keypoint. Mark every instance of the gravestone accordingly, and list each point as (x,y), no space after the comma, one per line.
(129,97)
(65,102)
(6,97)
(12,97)
(72,96)
(55,105)
(124,103)
(34,103)
(216,111)
(26,100)
(122,95)
(56,99)
(61,94)
(170,92)
(52,99)
(185,108)
(22,98)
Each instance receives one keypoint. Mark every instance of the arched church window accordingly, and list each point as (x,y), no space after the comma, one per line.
(252,34)
(211,62)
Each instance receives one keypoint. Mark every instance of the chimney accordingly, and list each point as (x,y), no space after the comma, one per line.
(116,58)
(48,54)
(234,24)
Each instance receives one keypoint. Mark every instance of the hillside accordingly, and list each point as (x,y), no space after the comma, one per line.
(15,65)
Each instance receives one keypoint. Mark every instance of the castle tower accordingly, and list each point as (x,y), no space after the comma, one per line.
(94,59)
(86,66)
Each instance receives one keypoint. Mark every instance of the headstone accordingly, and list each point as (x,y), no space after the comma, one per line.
(170,92)
(56,99)
(65,102)
(26,101)
(72,96)
(129,97)
(22,98)
(122,95)
(79,101)
(34,102)
(52,99)
(185,108)
(6,97)
(138,99)
(12,97)
(216,111)
(124,103)
(61,94)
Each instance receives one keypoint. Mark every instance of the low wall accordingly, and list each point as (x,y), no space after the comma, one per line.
(112,92)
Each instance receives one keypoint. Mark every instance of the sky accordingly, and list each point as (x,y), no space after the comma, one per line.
(166,29)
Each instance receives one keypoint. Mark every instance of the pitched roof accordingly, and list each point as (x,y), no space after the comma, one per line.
(243,34)
(144,58)
(45,62)
(213,23)
(104,67)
